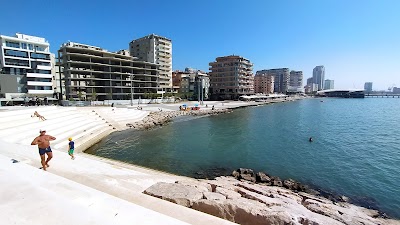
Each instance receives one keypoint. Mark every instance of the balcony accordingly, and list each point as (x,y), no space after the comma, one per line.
(40,91)
(39,75)
(41,67)
(39,83)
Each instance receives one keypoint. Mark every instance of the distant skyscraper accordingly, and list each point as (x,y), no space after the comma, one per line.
(329,84)
(319,76)
(296,79)
(368,87)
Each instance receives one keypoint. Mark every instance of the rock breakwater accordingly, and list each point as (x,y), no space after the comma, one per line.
(253,198)
(163,117)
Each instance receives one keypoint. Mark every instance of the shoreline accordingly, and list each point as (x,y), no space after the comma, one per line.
(157,119)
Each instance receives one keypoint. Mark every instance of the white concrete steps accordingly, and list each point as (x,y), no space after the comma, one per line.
(29,192)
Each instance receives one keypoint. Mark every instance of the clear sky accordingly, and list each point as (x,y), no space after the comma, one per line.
(356,40)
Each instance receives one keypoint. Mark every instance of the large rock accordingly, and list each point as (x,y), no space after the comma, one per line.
(243,211)
(229,194)
(263,178)
(176,193)
(204,187)
(213,196)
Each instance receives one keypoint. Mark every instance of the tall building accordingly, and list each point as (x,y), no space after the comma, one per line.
(93,73)
(329,84)
(26,67)
(155,49)
(281,78)
(296,79)
(263,82)
(310,80)
(368,87)
(230,77)
(319,76)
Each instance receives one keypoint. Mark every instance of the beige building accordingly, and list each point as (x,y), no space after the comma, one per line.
(230,77)
(155,49)
(93,73)
(263,83)
(281,78)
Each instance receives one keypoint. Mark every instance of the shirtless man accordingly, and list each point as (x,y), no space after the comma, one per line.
(43,142)
(36,114)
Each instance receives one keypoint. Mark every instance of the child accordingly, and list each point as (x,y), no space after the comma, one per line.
(71,148)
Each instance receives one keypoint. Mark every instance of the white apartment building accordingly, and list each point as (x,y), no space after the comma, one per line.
(26,67)
(155,49)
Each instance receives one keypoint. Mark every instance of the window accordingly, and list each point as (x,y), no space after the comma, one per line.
(17,62)
(30,46)
(23,45)
(35,55)
(8,52)
(39,48)
(12,44)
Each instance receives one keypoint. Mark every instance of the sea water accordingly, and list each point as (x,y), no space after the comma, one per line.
(355,150)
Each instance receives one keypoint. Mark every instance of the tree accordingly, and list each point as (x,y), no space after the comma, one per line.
(94,95)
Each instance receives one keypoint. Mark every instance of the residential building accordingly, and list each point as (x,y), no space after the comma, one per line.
(311,88)
(26,67)
(263,82)
(319,76)
(191,82)
(329,84)
(155,49)
(230,77)
(90,72)
(281,78)
(296,79)
(368,87)
(310,80)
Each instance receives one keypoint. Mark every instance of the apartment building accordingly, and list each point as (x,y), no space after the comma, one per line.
(329,84)
(281,78)
(263,83)
(195,83)
(296,79)
(155,49)
(93,73)
(26,67)
(230,77)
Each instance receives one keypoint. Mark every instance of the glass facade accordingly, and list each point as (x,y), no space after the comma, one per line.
(12,44)
(15,53)
(39,48)
(16,62)
(35,55)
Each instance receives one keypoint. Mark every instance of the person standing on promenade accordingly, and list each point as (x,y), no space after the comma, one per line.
(43,142)
(71,148)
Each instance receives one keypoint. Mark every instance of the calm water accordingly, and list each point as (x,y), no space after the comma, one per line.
(356,148)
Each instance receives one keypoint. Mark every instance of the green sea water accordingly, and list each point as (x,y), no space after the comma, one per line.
(356,148)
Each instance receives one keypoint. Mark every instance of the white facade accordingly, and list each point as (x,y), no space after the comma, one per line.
(155,49)
(26,66)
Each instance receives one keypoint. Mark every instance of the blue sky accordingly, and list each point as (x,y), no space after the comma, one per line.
(356,40)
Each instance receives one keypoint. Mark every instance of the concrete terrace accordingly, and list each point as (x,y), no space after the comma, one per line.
(87,190)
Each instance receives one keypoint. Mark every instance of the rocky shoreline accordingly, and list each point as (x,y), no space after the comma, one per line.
(160,118)
(253,198)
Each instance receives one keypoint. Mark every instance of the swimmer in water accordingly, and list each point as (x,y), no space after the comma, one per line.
(310,140)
